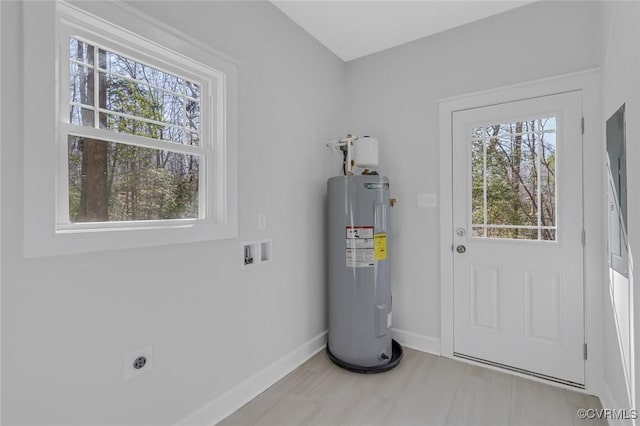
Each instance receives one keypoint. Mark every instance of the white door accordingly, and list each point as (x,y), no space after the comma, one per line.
(518,236)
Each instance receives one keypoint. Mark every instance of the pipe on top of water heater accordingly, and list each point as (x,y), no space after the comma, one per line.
(359,152)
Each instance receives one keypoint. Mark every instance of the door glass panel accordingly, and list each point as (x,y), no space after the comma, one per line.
(513,180)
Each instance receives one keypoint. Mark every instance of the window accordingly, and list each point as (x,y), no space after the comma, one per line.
(143,133)
(117,178)
(513,182)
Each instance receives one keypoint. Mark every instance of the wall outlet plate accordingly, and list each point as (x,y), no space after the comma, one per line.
(138,362)
(262,221)
(427,200)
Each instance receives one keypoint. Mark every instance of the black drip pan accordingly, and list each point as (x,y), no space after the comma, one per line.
(396,357)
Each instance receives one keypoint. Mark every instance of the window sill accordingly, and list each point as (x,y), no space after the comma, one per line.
(128,225)
(74,240)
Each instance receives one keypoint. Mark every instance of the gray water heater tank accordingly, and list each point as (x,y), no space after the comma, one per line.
(359,274)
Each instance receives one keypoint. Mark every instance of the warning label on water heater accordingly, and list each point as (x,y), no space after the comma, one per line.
(360,247)
(380,246)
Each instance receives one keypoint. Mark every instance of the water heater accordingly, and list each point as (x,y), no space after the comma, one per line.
(360,311)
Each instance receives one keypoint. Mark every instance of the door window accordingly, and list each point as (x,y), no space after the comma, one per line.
(513,180)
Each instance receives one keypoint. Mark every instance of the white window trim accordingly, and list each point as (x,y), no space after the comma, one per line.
(46,32)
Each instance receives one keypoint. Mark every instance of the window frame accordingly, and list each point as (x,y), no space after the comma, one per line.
(211,88)
(217,77)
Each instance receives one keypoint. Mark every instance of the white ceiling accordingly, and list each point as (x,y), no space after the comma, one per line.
(352,29)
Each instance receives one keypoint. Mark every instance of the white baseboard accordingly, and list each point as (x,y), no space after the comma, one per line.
(417,341)
(223,406)
(609,402)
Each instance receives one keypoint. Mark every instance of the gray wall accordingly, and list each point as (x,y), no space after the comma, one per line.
(68,321)
(393,95)
(621,85)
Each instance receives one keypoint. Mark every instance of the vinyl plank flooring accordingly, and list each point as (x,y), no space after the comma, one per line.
(239,418)
(483,398)
(423,390)
(534,403)
(427,399)
(578,401)
(389,384)
(348,411)
(289,412)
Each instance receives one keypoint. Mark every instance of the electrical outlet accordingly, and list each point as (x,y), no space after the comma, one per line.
(427,200)
(262,221)
(138,362)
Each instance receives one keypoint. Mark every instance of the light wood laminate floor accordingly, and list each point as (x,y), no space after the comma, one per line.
(423,390)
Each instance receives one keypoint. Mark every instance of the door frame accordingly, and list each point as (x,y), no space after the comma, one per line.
(594,204)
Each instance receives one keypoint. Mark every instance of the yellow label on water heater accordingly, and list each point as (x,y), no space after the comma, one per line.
(380,246)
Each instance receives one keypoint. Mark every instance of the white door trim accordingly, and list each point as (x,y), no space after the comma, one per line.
(594,203)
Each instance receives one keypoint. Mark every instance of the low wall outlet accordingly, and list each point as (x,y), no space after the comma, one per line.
(138,362)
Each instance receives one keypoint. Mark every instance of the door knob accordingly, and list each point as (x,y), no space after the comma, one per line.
(461,249)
